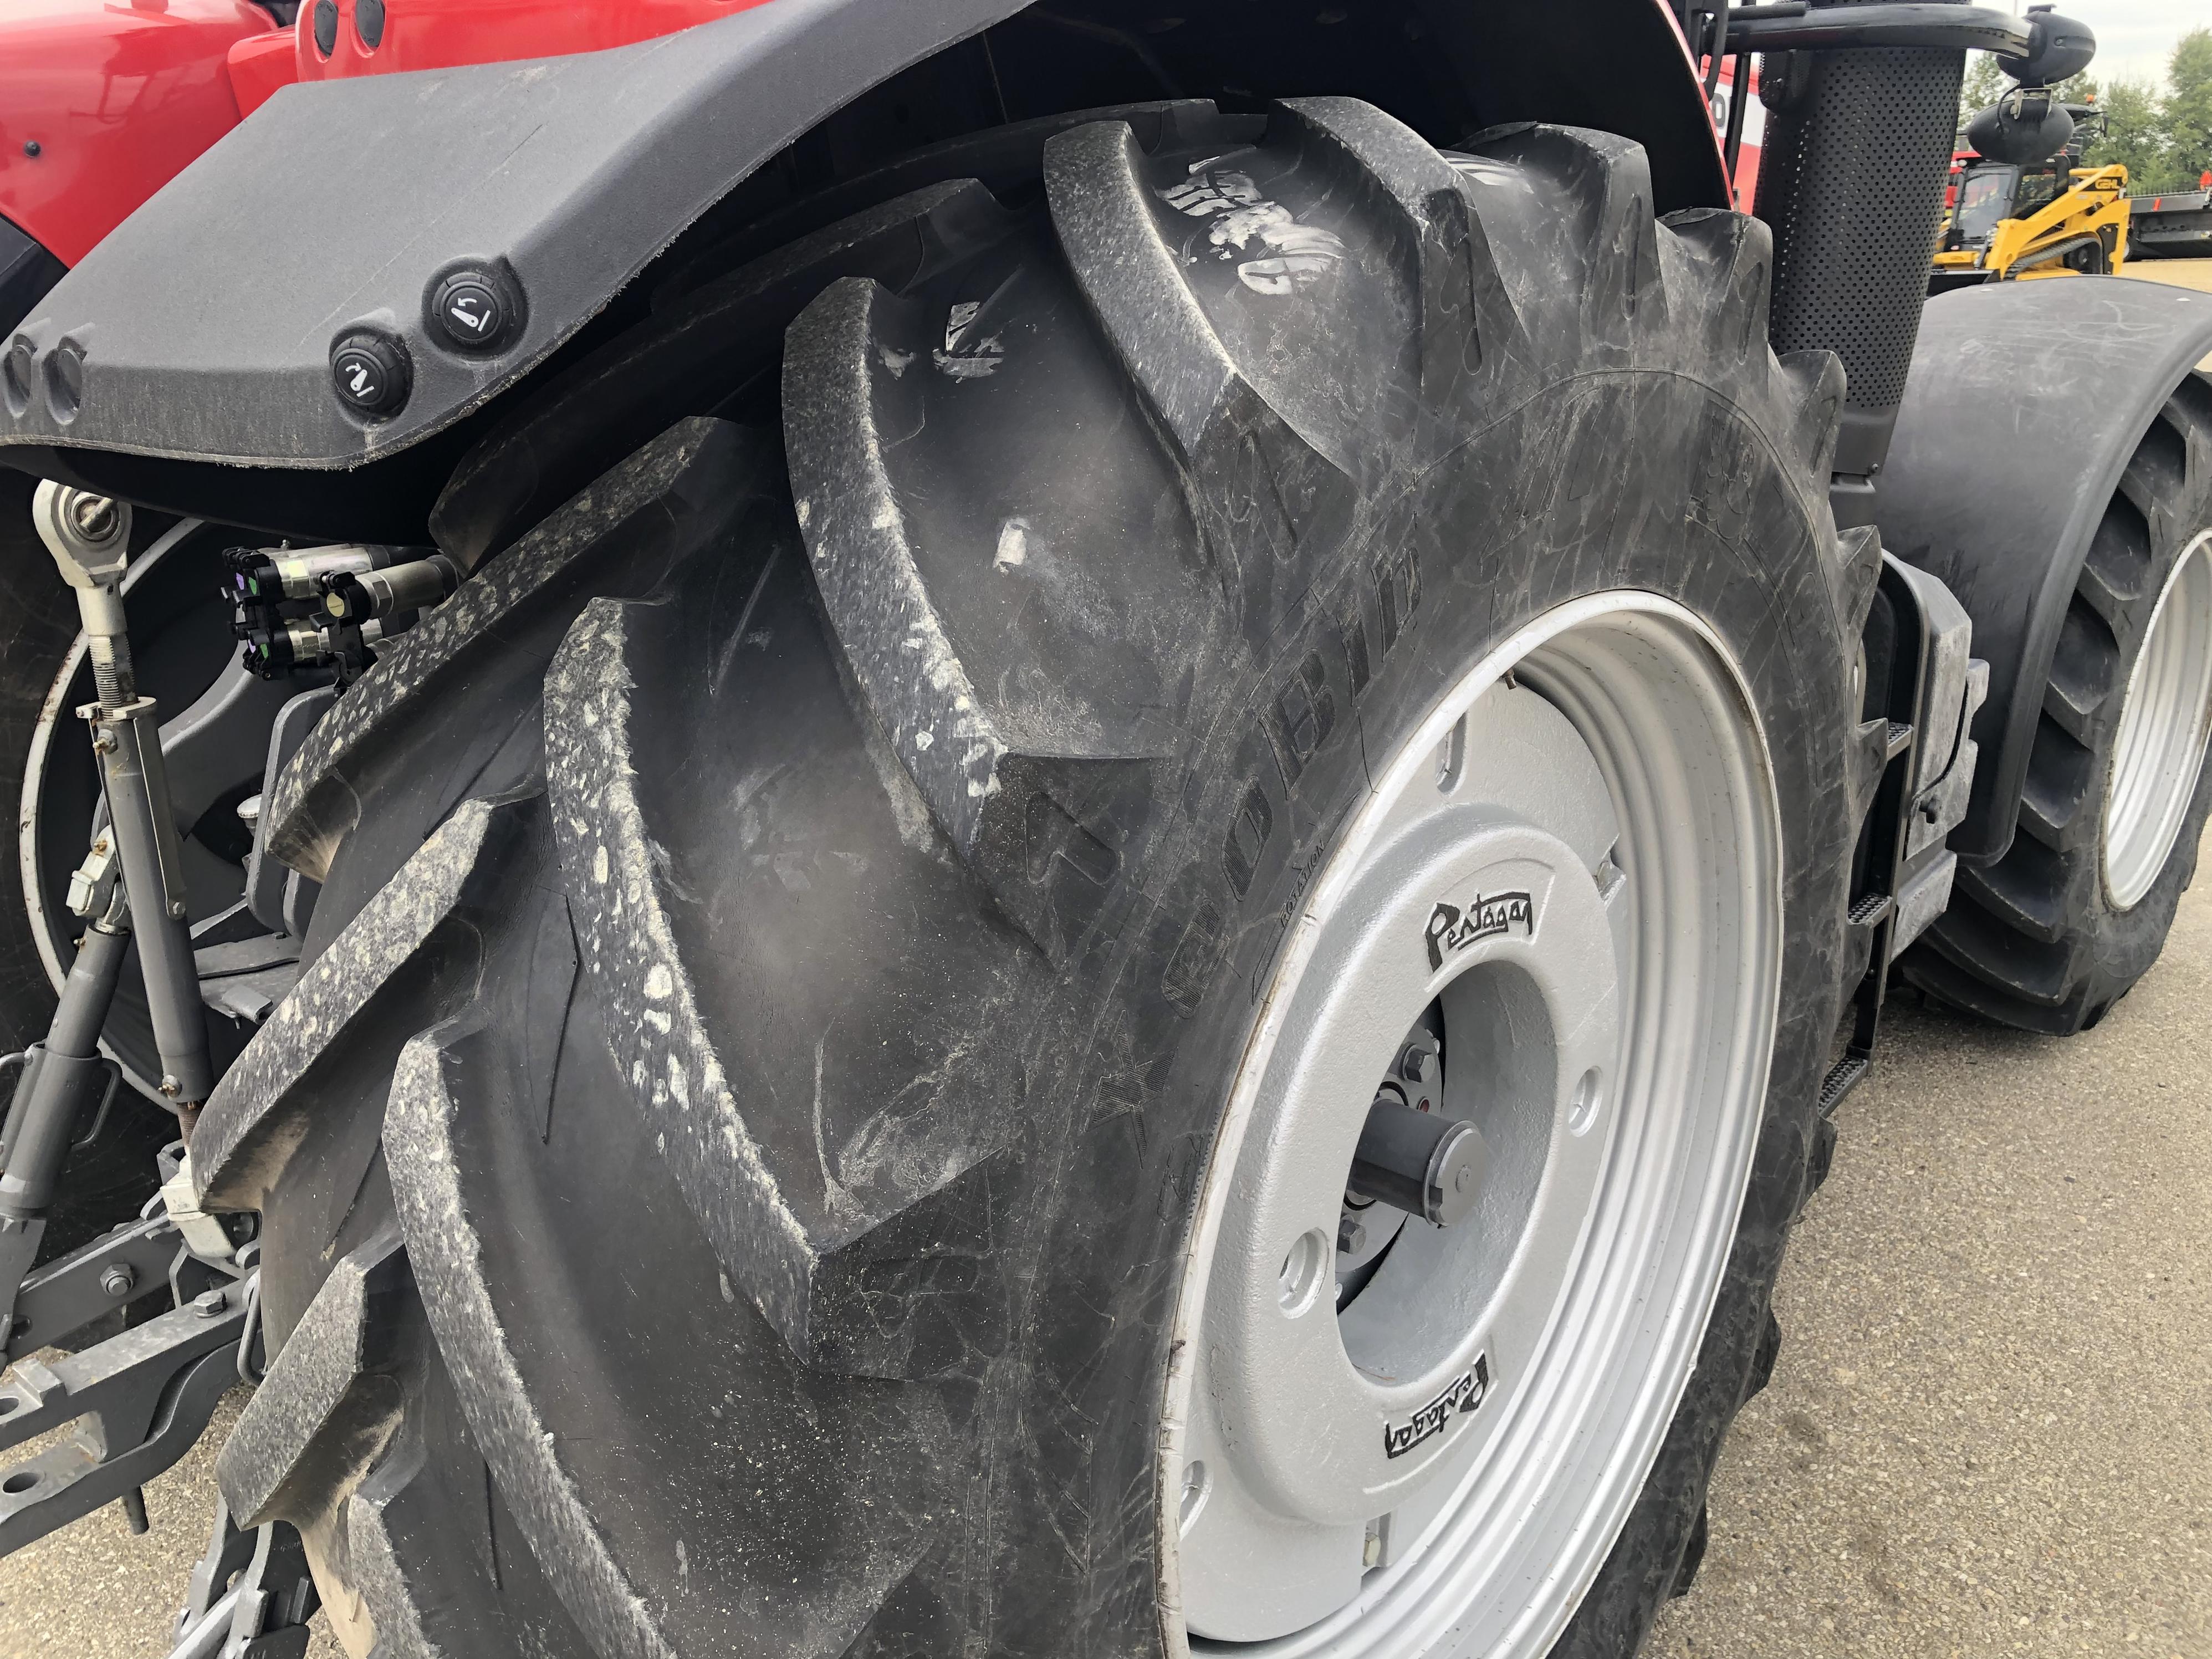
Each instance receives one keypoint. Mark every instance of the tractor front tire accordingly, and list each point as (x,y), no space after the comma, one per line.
(2053,934)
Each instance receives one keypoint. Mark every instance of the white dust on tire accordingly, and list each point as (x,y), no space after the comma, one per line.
(1275,254)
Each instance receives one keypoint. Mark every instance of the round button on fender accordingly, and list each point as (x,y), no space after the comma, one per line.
(370,374)
(471,311)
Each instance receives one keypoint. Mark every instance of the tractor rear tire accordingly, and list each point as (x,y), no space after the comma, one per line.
(2051,935)
(790,920)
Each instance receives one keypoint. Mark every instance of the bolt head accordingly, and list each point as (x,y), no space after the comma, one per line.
(116,1277)
(1350,1235)
(208,1304)
(1417,1064)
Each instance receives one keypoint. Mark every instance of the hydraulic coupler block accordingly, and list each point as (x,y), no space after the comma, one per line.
(323,608)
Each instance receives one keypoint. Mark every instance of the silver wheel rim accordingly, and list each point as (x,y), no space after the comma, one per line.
(1610,1036)
(2163,728)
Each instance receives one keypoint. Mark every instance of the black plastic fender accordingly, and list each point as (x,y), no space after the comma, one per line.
(209,326)
(203,326)
(2024,402)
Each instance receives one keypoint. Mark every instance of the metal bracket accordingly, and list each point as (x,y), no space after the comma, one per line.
(1941,807)
(1952,685)
(202,1232)
(1929,693)
(63,1297)
(140,1400)
(252,1594)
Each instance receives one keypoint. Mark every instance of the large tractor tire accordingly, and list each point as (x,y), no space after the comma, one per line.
(854,956)
(2053,934)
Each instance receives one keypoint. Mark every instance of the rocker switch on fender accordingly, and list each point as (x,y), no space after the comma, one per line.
(471,311)
(370,374)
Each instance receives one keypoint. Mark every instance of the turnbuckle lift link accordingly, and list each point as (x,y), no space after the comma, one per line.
(131,883)
(89,537)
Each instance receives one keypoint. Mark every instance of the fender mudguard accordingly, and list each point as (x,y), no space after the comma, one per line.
(202,329)
(2024,401)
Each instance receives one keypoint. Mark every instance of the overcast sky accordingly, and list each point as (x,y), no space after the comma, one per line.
(2134,37)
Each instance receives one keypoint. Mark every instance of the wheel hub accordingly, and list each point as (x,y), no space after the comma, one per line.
(1427,1378)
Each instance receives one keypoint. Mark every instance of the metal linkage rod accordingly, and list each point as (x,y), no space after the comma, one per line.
(89,538)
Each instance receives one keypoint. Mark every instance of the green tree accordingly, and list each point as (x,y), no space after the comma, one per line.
(2134,138)
(2077,89)
(2187,110)
(1985,84)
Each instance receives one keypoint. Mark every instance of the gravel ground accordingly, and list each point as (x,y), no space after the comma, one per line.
(2176,273)
(1991,1430)
(1990,1433)
(2181,273)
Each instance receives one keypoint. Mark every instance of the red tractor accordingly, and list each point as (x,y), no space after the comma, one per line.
(972,828)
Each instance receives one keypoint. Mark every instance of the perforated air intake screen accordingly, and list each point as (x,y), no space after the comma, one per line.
(1851,181)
